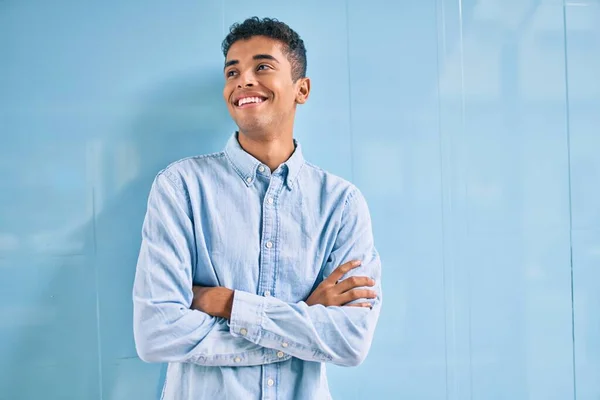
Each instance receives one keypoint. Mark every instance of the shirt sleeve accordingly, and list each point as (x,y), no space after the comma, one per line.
(340,335)
(165,328)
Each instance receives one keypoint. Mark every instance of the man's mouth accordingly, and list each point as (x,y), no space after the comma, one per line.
(245,102)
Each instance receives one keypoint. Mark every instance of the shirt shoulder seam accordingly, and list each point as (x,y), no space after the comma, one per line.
(197,157)
(352,188)
(177,184)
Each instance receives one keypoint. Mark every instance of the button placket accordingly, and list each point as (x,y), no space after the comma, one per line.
(269,251)
(269,235)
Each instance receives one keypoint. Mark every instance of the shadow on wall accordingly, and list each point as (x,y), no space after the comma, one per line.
(182,116)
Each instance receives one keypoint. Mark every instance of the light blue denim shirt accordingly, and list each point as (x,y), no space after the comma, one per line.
(224,219)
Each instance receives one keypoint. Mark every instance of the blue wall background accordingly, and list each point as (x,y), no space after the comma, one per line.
(471,126)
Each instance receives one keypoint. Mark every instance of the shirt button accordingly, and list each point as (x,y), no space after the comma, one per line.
(243,331)
(261,168)
(267,293)
(237,359)
(280,354)
(249,179)
(270,382)
(269,244)
(284,344)
(270,200)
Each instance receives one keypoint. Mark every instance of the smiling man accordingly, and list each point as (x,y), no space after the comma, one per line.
(257,268)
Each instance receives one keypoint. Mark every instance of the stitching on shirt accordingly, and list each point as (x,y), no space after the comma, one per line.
(178,186)
(278,241)
(168,169)
(279,339)
(315,166)
(296,177)
(352,187)
(235,168)
(261,317)
(196,157)
(351,195)
(261,269)
(245,356)
(278,377)
(168,172)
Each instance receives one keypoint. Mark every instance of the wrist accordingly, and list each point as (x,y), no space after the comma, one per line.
(228,304)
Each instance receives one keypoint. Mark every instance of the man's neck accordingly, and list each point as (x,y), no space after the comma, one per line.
(270,150)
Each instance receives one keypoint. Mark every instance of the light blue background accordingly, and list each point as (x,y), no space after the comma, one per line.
(472,127)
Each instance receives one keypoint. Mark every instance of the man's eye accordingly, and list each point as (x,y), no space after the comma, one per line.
(262,67)
(230,73)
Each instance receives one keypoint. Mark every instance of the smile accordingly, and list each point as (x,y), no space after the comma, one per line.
(249,101)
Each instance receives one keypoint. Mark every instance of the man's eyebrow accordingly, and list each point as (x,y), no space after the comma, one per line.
(256,57)
(230,63)
(265,57)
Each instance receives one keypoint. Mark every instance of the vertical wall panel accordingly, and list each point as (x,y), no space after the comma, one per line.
(583,63)
(170,75)
(48,333)
(396,154)
(450,84)
(516,246)
(169,83)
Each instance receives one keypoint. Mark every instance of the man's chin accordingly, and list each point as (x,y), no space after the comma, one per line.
(252,128)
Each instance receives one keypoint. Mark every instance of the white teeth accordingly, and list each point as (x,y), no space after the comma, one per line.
(246,100)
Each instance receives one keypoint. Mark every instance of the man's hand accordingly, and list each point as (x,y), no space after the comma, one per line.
(215,301)
(218,301)
(332,292)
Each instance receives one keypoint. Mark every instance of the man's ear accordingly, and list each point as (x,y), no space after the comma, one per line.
(303,90)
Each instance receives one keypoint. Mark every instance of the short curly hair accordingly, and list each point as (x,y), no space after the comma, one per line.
(293,45)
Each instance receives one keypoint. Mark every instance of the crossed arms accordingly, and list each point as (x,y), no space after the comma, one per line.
(175,321)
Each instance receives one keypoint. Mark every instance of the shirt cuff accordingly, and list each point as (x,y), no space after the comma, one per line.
(260,356)
(247,315)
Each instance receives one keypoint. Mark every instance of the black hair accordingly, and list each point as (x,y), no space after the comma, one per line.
(293,46)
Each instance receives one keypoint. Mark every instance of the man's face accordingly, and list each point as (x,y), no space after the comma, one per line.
(259,90)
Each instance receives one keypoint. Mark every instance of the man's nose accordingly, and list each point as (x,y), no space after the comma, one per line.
(247,80)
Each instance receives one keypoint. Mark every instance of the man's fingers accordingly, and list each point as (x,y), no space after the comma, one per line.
(340,271)
(367,305)
(357,294)
(354,282)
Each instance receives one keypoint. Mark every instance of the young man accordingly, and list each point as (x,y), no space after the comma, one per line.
(246,282)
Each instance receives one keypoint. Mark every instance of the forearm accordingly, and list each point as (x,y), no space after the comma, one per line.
(170,333)
(340,335)
(337,334)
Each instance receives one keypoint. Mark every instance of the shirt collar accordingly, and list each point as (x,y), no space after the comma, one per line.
(246,165)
